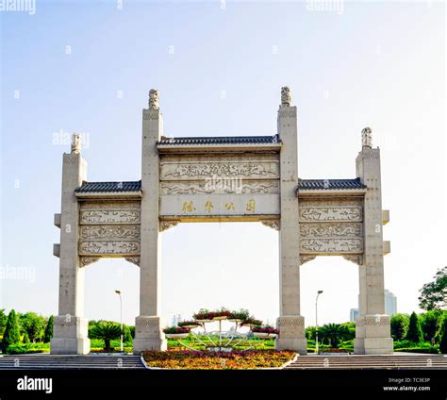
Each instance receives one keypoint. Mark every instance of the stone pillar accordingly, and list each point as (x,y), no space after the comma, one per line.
(70,327)
(373,326)
(290,323)
(148,326)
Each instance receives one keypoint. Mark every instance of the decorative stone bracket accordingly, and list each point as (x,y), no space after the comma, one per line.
(165,225)
(272,223)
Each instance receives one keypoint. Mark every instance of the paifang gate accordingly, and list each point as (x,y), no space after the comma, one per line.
(241,178)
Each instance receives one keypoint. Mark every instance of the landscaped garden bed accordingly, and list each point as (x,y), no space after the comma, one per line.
(218,360)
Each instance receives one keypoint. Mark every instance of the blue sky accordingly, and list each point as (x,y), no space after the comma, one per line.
(87,67)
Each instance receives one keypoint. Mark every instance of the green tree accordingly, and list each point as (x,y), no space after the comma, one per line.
(310,332)
(127,335)
(33,324)
(49,330)
(414,333)
(107,331)
(399,325)
(12,331)
(25,338)
(132,331)
(443,336)
(349,328)
(430,322)
(434,294)
(3,320)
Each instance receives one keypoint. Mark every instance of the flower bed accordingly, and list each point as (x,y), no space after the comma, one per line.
(211,315)
(265,329)
(218,360)
(189,324)
(251,322)
(177,332)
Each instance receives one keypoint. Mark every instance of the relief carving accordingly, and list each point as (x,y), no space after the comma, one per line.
(110,232)
(109,248)
(220,169)
(233,186)
(331,246)
(110,216)
(330,229)
(313,214)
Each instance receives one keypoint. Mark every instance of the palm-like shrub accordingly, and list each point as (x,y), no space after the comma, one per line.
(106,331)
(333,334)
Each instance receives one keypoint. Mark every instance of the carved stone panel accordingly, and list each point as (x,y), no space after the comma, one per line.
(219,185)
(109,229)
(110,248)
(237,168)
(331,230)
(331,227)
(327,213)
(110,216)
(110,232)
(336,246)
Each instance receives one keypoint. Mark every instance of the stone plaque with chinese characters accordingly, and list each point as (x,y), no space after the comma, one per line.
(209,187)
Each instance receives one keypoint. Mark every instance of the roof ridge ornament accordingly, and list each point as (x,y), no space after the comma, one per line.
(76,143)
(154,97)
(286,96)
(367,137)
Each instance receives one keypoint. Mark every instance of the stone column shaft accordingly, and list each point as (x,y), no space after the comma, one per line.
(70,327)
(373,326)
(148,326)
(290,322)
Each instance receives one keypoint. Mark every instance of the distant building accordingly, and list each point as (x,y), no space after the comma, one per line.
(390,303)
(176,319)
(354,313)
(390,306)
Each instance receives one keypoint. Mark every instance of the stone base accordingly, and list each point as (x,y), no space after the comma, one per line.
(149,335)
(70,335)
(373,346)
(373,335)
(291,334)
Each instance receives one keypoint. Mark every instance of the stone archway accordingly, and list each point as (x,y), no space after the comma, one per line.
(242,178)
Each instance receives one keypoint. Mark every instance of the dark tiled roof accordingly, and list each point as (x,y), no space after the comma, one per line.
(102,187)
(216,140)
(330,184)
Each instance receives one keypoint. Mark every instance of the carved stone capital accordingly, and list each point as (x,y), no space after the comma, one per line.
(154,99)
(272,223)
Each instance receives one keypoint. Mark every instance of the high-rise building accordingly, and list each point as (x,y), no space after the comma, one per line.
(354,313)
(390,303)
(390,306)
